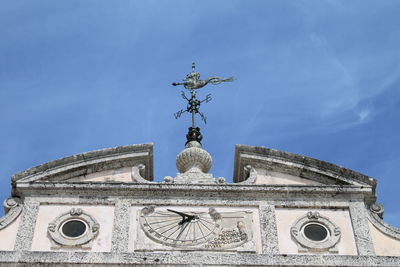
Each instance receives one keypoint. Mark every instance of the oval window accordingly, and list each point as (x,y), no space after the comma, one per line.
(73,228)
(315,232)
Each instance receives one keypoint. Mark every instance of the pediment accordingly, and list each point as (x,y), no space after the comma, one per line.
(279,167)
(277,178)
(101,166)
(119,175)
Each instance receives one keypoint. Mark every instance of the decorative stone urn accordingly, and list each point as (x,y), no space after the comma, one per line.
(193,159)
(193,163)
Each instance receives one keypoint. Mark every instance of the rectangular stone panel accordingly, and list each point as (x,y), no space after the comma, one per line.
(101,214)
(204,228)
(292,231)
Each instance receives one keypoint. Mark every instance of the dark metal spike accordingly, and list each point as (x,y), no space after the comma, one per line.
(207,99)
(204,118)
(184,96)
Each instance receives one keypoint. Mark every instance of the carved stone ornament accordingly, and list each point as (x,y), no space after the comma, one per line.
(62,233)
(193,158)
(194,228)
(378,209)
(193,164)
(251,175)
(137,172)
(314,233)
(13,209)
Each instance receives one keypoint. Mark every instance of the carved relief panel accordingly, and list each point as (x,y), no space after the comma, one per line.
(194,228)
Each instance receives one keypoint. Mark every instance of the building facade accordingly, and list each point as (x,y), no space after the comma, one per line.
(102,208)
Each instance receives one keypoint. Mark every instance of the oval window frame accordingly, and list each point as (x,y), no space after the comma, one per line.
(60,240)
(305,244)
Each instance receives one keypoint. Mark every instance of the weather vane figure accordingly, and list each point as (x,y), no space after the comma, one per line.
(192,82)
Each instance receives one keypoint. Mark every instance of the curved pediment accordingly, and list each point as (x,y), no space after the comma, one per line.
(279,167)
(105,165)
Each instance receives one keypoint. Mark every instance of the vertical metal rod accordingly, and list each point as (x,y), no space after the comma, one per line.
(193,92)
(193,119)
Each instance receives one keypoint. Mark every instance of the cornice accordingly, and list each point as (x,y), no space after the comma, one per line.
(301,166)
(90,162)
(97,259)
(199,190)
(375,216)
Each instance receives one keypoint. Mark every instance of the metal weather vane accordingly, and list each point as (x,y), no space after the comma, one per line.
(193,107)
(192,82)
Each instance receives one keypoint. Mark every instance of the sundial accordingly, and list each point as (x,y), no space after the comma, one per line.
(192,83)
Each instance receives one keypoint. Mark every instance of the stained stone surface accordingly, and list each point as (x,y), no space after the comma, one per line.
(273,208)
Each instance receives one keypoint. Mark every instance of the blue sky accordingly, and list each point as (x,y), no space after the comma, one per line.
(316,78)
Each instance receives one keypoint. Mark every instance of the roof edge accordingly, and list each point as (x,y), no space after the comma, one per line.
(89,158)
(306,166)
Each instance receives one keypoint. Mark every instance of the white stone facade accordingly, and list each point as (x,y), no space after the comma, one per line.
(102,208)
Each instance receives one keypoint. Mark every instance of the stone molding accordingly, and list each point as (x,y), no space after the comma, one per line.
(26,226)
(195,178)
(375,216)
(137,172)
(175,189)
(251,174)
(377,208)
(101,259)
(83,241)
(297,165)
(13,208)
(362,235)
(182,178)
(160,199)
(90,162)
(269,233)
(120,233)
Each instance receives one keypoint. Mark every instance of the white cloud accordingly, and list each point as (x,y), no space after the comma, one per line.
(363,115)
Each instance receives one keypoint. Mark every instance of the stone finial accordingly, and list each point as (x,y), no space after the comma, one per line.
(193,159)
(193,164)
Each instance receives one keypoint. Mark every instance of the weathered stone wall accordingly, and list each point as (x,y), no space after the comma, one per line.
(286,217)
(384,245)
(259,221)
(270,178)
(8,235)
(123,175)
